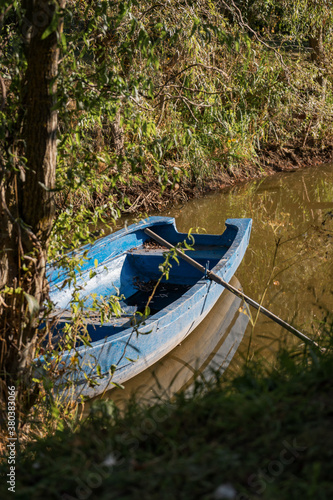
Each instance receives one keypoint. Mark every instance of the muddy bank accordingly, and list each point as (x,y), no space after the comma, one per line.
(147,196)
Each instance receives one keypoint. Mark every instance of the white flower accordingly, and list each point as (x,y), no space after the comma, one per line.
(110,460)
(225,492)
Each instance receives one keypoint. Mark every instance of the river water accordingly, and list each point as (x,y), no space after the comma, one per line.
(288,265)
(290,256)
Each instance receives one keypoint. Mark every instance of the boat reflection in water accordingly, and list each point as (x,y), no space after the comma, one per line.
(209,348)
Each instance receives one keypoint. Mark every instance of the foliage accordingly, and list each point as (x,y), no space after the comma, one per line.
(191,91)
(285,19)
(186,87)
(266,432)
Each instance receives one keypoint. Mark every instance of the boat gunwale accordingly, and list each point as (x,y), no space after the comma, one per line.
(243,226)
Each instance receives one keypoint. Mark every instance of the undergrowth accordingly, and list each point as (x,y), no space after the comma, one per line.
(266,433)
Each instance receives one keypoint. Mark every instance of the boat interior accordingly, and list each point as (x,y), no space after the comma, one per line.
(133,274)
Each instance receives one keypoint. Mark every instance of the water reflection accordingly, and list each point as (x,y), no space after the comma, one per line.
(211,346)
(292,220)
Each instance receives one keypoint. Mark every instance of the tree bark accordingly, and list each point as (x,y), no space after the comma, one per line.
(318,53)
(316,44)
(117,135)
(26,202)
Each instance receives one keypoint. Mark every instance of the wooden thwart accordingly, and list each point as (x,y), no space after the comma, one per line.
(233,290)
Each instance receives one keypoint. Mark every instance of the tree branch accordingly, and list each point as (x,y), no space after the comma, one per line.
(200,65)
(3,15)
(4,93)
(186,99)
(237,13)
(150,8)
(199,91)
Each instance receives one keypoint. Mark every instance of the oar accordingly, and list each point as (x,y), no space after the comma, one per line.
(231,289)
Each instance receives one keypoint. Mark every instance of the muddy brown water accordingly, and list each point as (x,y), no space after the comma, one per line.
(289,260)
(288,265)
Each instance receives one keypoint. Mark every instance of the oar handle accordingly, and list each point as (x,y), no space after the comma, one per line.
(238,293)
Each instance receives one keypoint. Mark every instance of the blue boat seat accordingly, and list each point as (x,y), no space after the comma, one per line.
(145,263)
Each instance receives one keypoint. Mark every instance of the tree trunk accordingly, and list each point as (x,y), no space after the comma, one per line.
(316,44)
(117,135)
(26,204)
(318,53)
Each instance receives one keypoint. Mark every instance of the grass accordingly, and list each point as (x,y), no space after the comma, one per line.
(265,434)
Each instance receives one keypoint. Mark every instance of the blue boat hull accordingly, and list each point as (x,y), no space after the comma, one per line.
(124,261)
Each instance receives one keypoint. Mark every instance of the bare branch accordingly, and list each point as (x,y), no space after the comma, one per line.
(237,13)
(151,8)
(200,65)
(3,15)
(190,110)
(183,98)
(4,93)
(199,91)
(140,105)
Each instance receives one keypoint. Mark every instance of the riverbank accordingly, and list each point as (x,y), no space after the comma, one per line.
(264,434)
(194,115)
(147,196)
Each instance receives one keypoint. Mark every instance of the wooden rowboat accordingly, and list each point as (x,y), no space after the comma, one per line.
(126,264)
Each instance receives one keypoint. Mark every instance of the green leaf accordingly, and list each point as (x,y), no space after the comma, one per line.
(63,41)
(51,27)
(131,360)
(112,369)
(33,305)
(118,385)
(195,26)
